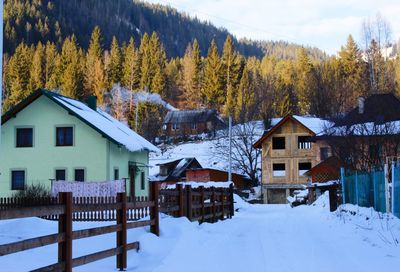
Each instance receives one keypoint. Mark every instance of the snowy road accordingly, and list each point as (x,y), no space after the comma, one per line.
(258,238)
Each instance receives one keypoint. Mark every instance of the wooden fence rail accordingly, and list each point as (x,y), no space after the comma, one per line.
(197,204)
(64,208)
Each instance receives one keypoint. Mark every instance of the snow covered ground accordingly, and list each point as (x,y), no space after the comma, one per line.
(258,238)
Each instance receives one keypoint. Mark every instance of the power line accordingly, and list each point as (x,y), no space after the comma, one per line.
(227,20)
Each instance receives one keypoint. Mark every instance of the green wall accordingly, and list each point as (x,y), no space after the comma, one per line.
(97,155)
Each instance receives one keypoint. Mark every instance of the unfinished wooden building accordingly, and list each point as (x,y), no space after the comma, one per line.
(287,154)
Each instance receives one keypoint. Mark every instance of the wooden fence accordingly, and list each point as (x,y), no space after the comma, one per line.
(197,204)
(64,209)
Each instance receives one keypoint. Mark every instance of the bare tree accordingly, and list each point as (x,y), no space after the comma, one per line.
(245,158)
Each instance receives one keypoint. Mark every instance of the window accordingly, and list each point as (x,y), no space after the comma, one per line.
(64,136)
(116,173)
(304,167)
(79,174)
(278,142)
(303,142)
(142,181)
(24,137)
(278,169)
(324,153)
(17,180)
(60,174)
(194,126)
(175,126)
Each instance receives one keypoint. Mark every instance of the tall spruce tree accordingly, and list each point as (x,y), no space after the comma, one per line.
(213,80)
(95,83)
(52,60)
(131,69)
(114,74)
(231,75)
(71,69)
(37,79)
(191,70)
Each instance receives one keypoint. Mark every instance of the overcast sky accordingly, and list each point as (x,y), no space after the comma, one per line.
(321,23)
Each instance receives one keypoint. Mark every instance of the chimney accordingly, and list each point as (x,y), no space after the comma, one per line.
(91,101)
(361,101)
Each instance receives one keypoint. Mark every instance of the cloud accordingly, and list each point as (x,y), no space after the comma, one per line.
(321,23)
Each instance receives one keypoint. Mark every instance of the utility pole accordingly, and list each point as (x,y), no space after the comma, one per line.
(230,149)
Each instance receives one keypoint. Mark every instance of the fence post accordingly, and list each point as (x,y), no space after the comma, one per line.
(189,212)
(232,208)
(214,218)
(202,203)
(333,198)
(155,227)
(386,171)
(65,226)
(181,200)
(121,235)
(343,184)
(222,190)
(393,182)
(357,189)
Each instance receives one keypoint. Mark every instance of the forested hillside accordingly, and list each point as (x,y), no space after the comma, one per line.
(32,21)
(246,87)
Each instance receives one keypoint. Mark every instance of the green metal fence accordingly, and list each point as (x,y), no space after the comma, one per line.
(366,189)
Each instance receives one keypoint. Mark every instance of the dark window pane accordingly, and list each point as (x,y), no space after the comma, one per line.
(60,174)
(24,137)
(304,165)
(79,174)
(278,166)
(278,142)
(142,180)
(18,180)
(116,174)
(64,136)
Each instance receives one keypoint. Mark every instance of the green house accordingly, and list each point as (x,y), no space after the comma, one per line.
(49,137)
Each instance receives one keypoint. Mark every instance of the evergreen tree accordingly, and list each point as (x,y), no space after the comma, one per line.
(131,69)
(191,66)
(158,60)
(71,69)
(246,97)
(213,81)
(305,81)
(37,79)
(146,73)
(231,73)
(18,70)
(94,72)
(52,59)
(114,68)
(352,74)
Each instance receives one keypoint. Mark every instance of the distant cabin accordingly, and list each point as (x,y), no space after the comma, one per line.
(49,137)
(191,122)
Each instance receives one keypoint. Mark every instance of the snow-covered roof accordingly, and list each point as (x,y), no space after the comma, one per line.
(315,124)
(107,124)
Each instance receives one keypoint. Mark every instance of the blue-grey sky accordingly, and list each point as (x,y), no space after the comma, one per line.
(321,23)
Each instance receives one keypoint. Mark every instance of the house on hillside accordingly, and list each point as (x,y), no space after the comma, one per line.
(184,123)
(48,137)
(175,171)
(287,154)
(369,135)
